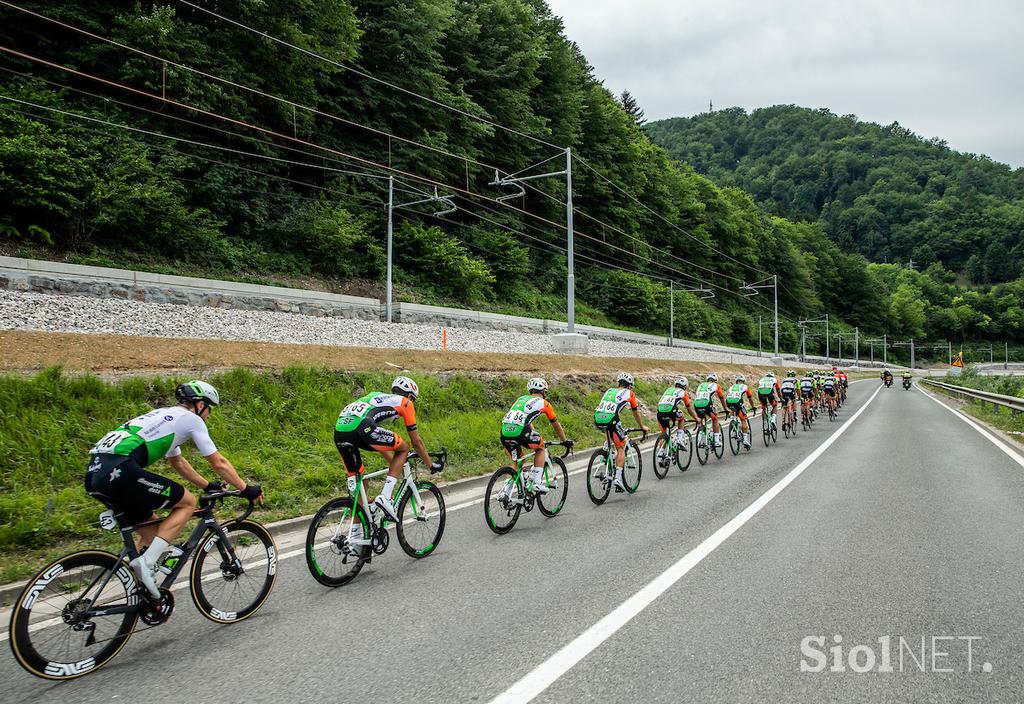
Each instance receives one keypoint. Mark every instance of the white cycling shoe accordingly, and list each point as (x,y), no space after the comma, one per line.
(146,575)
(384,504)
(539,485)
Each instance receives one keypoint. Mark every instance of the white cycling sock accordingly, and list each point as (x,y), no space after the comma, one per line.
(389,487)
(154,551)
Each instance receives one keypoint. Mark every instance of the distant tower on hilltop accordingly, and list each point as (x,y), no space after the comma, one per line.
(711,106)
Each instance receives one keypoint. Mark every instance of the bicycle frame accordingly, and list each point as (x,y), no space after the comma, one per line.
(207,524)
(408,481)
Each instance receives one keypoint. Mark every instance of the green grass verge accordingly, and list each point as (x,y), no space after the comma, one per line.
(275,426)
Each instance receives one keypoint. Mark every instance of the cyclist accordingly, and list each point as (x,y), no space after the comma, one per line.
(830,388)
(734,401)
(670,415)
(517,432)
(807,393)
(358,428)
(787,391)
(844,384)
(116,474)
(704,404)
(767,389)
(606,417)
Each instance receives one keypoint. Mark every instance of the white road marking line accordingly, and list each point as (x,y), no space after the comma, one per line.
(545,674)
(1010,452)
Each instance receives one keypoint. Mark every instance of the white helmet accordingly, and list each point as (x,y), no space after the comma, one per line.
(740,379)
(403,384)
(625,378)
(682,382)
(536,384)
(771,374)
(712,377)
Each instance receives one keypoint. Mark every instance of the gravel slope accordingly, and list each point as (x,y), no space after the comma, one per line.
(54,313)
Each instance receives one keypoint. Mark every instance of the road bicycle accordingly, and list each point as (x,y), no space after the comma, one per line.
(601,469)
(672,448)
(769,427)
(509,492)
(831,410)
(347,531)
(789,419)
(704,439)
(805,414)
(735,431)
(79,611)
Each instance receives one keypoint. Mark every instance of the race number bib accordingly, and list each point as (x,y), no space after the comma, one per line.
(514,417)
(109,442)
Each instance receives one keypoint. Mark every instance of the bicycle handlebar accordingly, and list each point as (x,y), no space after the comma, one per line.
(637,430)
(568,445)
(441,456)
(208,500)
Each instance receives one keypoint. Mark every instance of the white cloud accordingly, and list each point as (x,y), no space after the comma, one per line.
(949,69)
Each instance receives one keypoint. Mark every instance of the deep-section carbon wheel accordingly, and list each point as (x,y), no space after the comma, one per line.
(52,634)
(230,581)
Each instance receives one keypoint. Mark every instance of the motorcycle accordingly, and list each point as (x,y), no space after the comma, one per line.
(888,381)
(906,384)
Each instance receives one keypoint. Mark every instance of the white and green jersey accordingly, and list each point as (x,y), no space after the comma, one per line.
(155,435)
(670,400)
(735,393)
(705,394)
(612,403)
(524,411)
(766,385)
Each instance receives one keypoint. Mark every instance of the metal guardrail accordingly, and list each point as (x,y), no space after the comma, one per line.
(1015,404)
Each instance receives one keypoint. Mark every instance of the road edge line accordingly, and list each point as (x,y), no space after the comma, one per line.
(1009,451)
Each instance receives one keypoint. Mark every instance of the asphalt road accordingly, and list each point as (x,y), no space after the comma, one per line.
(909,525)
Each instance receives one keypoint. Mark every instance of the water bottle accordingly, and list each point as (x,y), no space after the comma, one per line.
(170,560)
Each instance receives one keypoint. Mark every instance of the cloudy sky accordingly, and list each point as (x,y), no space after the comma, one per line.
(946,68)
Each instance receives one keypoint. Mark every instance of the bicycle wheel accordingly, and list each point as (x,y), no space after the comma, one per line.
(775,429)
(598,481)
(734,438)
(633,468)
(557,479)
(503,500)
(50,634)
(702,441)
(660,459)
(684,454)
(330,556)
(231,581)
(719,448)
(766,429)
(421,519)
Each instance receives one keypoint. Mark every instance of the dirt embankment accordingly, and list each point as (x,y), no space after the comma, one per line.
(24,351)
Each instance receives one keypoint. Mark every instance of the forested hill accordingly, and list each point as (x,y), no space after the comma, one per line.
(882,191)
(254,141)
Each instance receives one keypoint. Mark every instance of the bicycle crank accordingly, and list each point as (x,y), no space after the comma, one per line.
(380,540)
(153,612)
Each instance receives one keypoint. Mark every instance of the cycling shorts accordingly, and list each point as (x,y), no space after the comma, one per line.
(807,394)
(616,430)
(129,489)
(669,419)
(738,409)
(366,436)
(706,412)
(830,392)
(766,398)
(788,395)
(529,439)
